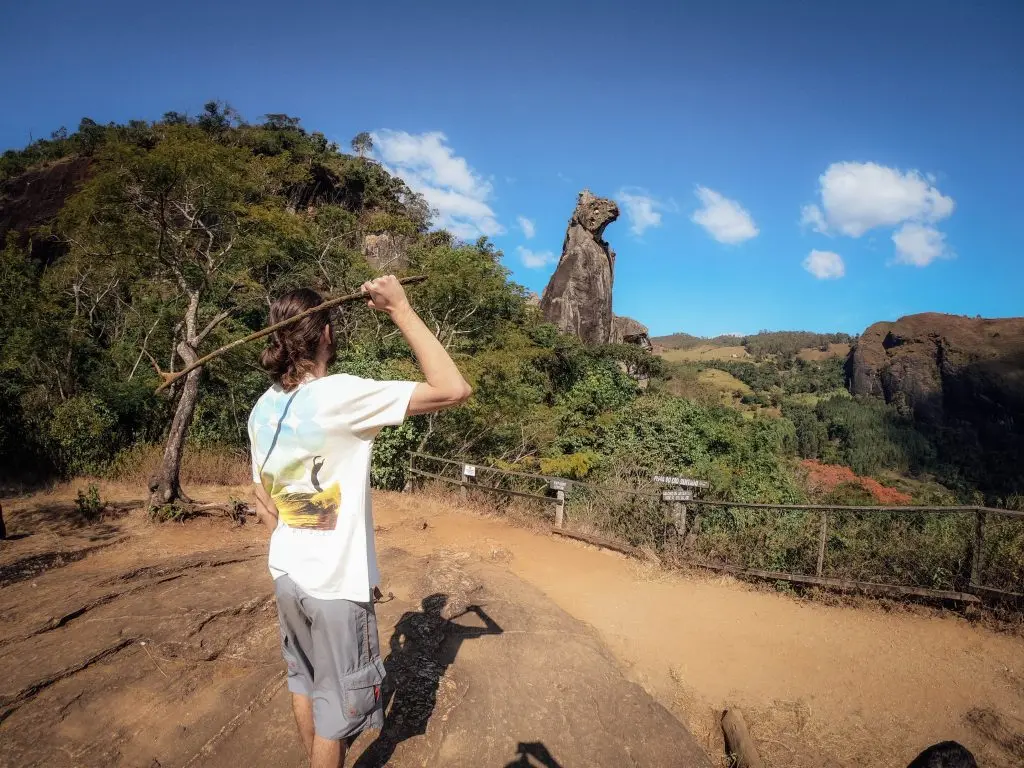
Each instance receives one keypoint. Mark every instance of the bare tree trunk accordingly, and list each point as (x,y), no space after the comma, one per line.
(165,484)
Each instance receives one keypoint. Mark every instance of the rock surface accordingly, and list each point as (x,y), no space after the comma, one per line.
(578,299)
(35,197)
(135,646)
(387,252)
(964,376)
(626,330)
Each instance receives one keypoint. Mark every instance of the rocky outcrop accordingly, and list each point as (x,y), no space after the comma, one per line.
(626,330)
(34,199)
(387,252)
(578,299)
(962,379)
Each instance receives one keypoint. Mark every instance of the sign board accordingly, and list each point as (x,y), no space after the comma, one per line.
(558,485)
(468,470)
(685,482)
(676,495)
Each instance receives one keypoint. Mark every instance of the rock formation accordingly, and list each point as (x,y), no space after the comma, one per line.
(387,252)
(578,299)
(626,330)
(34,198)
(962,379)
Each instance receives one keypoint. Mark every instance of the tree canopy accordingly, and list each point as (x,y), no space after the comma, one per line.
(185,230)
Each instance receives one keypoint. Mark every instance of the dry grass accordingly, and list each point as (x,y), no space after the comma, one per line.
(834,350)
(199,466)
(728,386)
(705,352)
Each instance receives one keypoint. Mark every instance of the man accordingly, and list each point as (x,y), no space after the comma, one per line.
(311,437)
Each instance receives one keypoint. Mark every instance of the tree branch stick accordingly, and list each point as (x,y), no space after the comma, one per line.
(170,378)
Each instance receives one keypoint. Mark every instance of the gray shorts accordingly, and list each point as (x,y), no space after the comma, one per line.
(333,656)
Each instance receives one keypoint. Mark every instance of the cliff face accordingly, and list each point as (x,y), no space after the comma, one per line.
(387,252)
(626,330)
(962,377)
(578,299)
(35,198)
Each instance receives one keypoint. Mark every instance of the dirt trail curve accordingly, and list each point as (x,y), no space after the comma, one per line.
(159,647)
(820,685)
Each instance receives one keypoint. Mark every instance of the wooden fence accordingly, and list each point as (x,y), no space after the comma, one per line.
(961,553)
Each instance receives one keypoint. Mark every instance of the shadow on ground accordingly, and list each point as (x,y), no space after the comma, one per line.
(532,755)
(424,645)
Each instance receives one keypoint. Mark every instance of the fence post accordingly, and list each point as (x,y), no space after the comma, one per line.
(559,486)
(679,517)
(677,499)
(979,542)
(822,540)
(408,487)
(468,474)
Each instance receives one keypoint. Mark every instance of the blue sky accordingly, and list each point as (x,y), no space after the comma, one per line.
(813,165)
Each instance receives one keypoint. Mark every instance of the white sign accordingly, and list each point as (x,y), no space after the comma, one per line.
(558,485)
(676,495)
(686,482)
(468,470)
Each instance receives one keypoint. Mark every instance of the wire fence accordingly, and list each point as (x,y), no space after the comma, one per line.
(967,554)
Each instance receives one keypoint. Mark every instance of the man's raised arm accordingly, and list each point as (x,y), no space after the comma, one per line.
(445,386)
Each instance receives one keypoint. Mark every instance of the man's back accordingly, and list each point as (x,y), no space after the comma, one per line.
(311,451)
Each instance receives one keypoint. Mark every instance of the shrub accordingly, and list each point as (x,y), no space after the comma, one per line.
(82,429)
(88,504)
(211,465)
(167,513)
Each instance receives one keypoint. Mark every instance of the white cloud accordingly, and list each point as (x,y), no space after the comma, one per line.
(447,182)
(535,259)
(642,209)
(857,197)
(811,216)
(919,245)
(529,230)
(825,265)
(724,219)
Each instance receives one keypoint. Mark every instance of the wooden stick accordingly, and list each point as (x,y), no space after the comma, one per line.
(170,378)
(738,740)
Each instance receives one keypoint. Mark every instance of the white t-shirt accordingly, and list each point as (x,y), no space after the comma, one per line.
(311,452)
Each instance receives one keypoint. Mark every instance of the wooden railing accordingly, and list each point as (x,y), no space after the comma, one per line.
(691,530)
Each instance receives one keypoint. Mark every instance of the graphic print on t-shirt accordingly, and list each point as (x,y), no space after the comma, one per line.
(316,509)
(293,482)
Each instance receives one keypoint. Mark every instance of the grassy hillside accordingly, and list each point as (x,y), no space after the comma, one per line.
(704,351)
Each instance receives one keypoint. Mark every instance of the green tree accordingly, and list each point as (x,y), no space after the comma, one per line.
(362,144)
(178,223)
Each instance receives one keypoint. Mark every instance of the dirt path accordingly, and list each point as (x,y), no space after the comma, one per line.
(821,684)
(128,644)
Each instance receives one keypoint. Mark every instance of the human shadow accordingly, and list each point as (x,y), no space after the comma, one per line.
(423,646)
(65,519)
(533,755)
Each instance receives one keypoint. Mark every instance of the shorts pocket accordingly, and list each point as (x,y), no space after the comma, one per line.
(360,690)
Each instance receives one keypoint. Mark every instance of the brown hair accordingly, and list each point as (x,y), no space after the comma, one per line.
(291,354)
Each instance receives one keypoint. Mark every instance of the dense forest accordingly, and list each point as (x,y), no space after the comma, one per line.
(183,231)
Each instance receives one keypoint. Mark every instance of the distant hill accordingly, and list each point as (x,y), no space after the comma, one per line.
(785,343)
